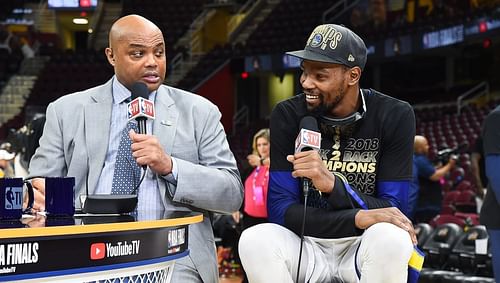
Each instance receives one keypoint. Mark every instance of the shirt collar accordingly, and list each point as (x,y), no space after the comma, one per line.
(121,93)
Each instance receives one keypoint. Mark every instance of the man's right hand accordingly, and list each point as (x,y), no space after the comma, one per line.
(366,218)
(39,193)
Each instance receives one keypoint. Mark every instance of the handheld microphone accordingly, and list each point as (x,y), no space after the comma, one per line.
(140,108)
(309,138)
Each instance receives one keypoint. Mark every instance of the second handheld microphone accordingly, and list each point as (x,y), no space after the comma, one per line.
(309,138)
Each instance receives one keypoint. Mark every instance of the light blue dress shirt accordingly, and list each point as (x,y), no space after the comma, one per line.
(149,196)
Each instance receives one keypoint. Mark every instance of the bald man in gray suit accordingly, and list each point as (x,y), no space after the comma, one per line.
(190,165)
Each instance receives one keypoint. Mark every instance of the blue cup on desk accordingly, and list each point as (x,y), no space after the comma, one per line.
(12,197)
(60,196)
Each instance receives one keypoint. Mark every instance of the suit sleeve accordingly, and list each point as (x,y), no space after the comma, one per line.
(213,183)
(285,200)
(48,159)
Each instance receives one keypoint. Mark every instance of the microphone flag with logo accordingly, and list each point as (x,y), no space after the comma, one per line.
(127,171)
(309,138)
(140,108)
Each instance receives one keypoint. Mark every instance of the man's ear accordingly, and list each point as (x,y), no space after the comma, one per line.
(354,75)
(110,56)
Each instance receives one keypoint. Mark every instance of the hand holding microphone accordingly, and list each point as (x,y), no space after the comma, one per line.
(306,161)
(146,149)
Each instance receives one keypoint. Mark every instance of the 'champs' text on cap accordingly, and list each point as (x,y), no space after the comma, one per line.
(336,44)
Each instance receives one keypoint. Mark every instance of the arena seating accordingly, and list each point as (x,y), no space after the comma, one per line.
(451,255)
(173,18)
(68,72)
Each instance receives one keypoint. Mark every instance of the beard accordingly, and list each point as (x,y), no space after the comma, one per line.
(326,108)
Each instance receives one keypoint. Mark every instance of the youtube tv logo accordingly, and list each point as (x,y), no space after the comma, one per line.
(97,251)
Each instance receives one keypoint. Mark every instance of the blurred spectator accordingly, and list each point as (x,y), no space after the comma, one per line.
(356,18)
(256,184)
(28,52)
(33,38)
(377,10)
(255,208)
(11,43)
(5,37)
(35,131)
(229,227)
(6,169)
(491,206)
(477,167)
(426,181)
(15,163)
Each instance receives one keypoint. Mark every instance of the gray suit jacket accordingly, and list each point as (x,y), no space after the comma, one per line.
(75,139)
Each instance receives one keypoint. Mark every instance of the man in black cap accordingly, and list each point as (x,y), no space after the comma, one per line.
(355,227)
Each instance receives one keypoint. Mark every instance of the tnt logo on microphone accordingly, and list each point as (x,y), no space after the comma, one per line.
(133,108)
(147,108)
(13,198)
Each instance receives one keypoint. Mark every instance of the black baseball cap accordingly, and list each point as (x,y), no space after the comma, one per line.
(332,43)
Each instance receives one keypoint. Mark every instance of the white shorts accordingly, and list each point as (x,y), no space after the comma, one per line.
(270,253)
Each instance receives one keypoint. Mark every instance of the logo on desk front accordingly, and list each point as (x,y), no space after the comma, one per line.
(18,253)
(97,251)
(118,249)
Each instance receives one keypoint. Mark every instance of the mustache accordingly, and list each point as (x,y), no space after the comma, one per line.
(308,92)
(150,73)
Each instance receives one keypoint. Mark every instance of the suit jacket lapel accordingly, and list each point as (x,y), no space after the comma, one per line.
(97,126)
(165,123)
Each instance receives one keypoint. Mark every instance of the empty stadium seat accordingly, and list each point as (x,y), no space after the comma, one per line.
(471,219)
(441,219)
(466,202)
(463,253)
(423,231)
(464,185)
(439,244)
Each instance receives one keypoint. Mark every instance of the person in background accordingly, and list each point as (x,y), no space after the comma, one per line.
(478,167)
(187,162)
(255,204)
(6,169)
(256,184)
(490,210)
(426,182)
(254,210)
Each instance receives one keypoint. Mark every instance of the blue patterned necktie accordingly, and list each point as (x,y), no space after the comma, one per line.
(127,171)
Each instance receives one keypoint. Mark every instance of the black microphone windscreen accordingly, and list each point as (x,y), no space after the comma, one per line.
(139,89)
(309,123)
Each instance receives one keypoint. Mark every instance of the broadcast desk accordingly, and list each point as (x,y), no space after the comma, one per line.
(141,247)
